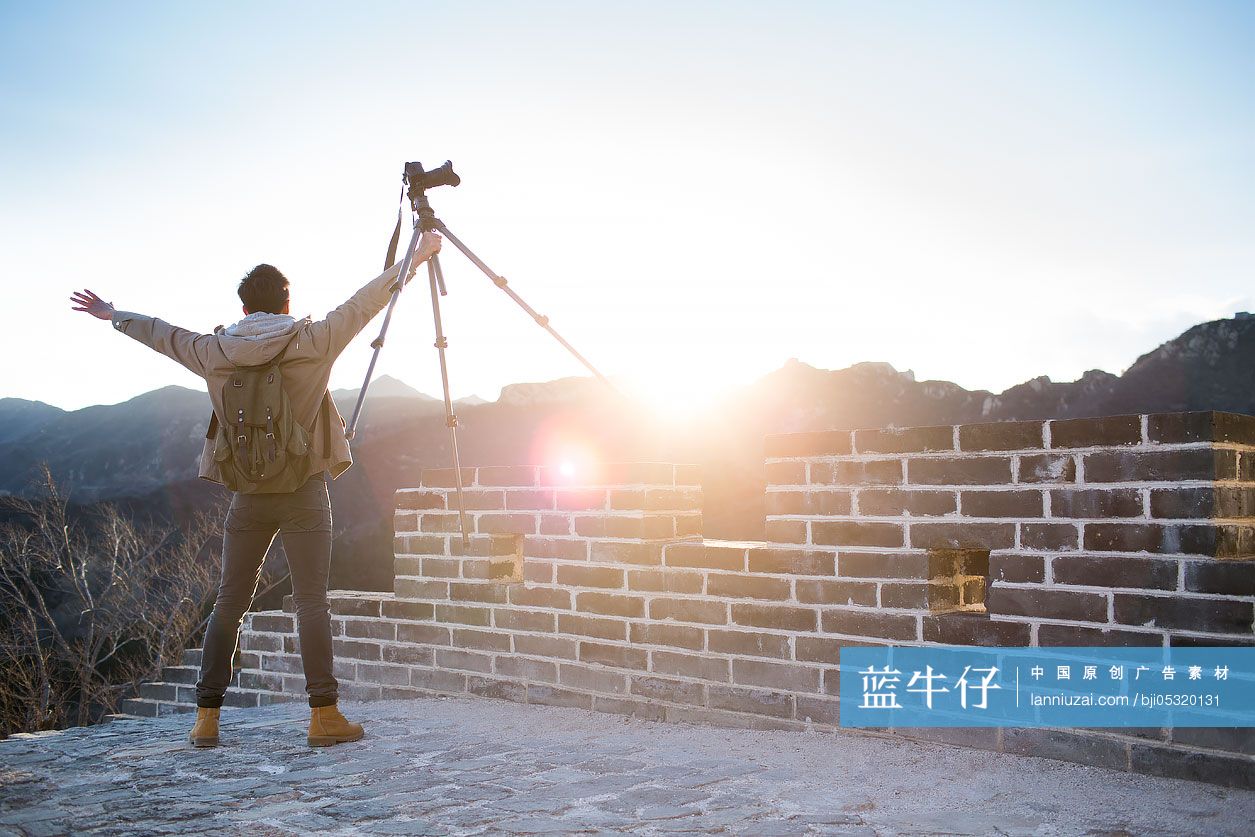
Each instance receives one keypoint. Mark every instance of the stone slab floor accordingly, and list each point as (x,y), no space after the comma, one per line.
(478,766)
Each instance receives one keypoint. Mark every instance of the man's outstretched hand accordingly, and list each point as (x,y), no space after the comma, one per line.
(89,303)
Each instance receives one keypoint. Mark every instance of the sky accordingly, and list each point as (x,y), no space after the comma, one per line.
(693,192)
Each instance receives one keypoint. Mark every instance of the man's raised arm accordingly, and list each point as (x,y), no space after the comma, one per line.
(188,348)
(333,333)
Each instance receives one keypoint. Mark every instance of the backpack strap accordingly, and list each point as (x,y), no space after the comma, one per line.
(271,449)
(391,258)
(243,450)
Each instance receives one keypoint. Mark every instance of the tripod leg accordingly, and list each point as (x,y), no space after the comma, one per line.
(451,420)
(540,319)
(351,430)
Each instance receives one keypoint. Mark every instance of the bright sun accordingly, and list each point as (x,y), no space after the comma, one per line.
(672,399)
(575,455)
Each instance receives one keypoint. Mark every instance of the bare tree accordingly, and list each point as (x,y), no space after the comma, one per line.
(93,604)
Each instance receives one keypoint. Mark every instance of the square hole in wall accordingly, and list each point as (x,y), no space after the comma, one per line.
(957,579)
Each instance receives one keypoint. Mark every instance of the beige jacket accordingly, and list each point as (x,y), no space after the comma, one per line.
(306,366)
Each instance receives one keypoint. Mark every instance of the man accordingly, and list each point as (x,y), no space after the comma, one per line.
(305,352)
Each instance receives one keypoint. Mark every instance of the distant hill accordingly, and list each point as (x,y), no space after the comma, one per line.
(391,400)
(1209,367)
(18,417)
(385,386)
(129,448)
(147,447)
(571,389)
(152,440)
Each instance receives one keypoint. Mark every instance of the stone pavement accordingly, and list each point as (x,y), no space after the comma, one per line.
(479,766)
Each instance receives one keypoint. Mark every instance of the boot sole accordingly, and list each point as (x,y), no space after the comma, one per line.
(204,742)
(330,740)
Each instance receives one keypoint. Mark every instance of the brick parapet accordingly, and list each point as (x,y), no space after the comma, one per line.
(569,594)
(1120,530)
(616,501)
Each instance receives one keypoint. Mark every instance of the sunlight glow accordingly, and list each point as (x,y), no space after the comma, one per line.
(680,396)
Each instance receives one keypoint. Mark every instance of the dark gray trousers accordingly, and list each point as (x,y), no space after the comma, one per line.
(303,518)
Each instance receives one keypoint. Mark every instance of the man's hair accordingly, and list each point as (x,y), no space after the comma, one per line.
(264,289)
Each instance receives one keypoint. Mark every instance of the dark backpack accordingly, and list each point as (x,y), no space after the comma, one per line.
(259,446)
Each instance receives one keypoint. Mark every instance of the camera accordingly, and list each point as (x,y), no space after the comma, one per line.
(420,180)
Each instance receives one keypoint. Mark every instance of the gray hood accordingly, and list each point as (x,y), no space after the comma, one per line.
(258,338)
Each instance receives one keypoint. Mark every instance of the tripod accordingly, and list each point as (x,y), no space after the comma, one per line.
(416,182)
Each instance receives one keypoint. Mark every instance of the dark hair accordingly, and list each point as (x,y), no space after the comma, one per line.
(264,289)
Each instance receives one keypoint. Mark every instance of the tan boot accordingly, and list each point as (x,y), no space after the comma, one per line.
(205,732)
(327,726)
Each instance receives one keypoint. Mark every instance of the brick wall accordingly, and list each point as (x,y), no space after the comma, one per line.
(1126,530)
(597,590)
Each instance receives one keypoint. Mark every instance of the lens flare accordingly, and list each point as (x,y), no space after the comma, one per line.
(568,448)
